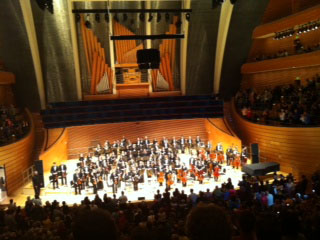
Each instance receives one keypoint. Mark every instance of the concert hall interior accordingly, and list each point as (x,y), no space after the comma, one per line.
(160,119)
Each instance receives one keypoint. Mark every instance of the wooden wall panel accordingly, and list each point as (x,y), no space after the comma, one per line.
(52,136)
(57,152)
(80,138)
(219,132)
(296,149)
(308,15)
(17,157)
(275,78)
(296,61)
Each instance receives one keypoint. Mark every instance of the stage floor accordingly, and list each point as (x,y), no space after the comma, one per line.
(146,190)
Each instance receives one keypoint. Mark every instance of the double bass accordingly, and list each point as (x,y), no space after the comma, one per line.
(184,178)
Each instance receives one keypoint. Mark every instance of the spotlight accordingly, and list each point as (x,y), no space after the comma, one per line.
(141,17)
(124,17)
(188,16)
(78,17)
(97,17)
(87,22)
(158,17)
(116,17)
(106,17)
(167,16)
(150,17)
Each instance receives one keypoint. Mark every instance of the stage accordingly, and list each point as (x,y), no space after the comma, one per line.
(146,190)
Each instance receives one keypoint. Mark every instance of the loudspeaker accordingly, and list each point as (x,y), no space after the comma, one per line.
(148,58)
(141,198)
(255,153)
(38,165)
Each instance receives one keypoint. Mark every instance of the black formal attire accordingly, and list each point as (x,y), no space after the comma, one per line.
(63,173)
(54,173)
(76,184)
(36,184)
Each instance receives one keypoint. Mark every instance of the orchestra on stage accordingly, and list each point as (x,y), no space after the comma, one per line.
(124,163)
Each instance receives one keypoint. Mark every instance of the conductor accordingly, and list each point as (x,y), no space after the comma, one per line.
(36,183)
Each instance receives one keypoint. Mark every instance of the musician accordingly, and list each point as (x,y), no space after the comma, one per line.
(98,150)
(77,182)
(244,154)
(114,179)
(146,142)
(123,142)
(81,158)
(139,143)
(230,155)
(63,174)
(94,185)
(54,173)
(36,182)
(107,146)
(198,141)
(216,173)
(219,147)
(190,142)
(200,170)
(182,142)
(165,143)
(135,180)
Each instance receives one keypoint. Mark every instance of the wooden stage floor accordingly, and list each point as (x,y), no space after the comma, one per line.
(146,189)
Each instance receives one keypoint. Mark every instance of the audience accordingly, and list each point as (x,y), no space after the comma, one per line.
(293,104)
(298,48)
(13,125)
(246,213)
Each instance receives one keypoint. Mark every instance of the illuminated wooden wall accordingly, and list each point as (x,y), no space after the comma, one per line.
(17,157)
(80,138)
(218,131)
(55,147)
(296,149)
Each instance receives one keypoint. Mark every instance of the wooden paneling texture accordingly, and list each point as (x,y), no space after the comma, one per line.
(296,61)
(133,90)
(52,136)
(219,132)
(277,9)
(302,17)
(57,151)
(80,138)
(17,157)
(275,78)
(296,149)
(269,46)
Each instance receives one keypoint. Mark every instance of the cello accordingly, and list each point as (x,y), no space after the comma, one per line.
(184,178)
(170,180)
(161,178)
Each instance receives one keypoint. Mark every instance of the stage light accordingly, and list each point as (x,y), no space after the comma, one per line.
(158,17)
(78,17)
(124,17)
(87,22)
(167,17)
(115,17)
(150,17)
(45,4)
(188,16)
(141,17)
(106,17)
(97,17)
